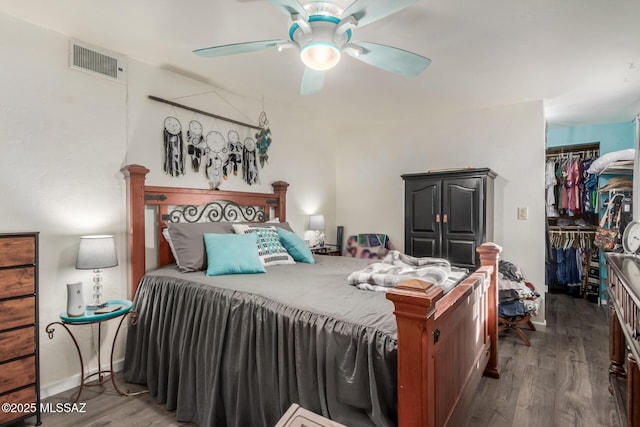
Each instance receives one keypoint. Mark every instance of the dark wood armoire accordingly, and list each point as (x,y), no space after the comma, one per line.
(448,214)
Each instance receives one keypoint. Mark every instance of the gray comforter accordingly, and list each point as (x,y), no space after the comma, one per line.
(238,350)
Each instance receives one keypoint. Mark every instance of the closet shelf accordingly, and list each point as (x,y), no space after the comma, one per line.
(589,228)
(616,190)
(621,167)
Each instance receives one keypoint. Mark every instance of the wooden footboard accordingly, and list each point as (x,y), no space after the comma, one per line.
(445,343)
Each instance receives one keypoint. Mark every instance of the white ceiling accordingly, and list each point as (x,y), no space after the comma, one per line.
(581,56)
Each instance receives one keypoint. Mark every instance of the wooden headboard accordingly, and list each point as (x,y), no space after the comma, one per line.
(140,195)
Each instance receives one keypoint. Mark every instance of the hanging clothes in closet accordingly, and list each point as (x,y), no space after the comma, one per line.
(571,192)
(571,253)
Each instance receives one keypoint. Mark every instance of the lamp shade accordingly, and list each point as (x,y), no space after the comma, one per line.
(96,252)
(320,55)
(316,222)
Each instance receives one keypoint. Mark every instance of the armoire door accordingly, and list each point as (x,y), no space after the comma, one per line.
(462,211)
(422,218)
(448,214)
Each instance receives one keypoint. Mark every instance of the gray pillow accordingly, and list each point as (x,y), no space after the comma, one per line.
(188,241)
(284,225)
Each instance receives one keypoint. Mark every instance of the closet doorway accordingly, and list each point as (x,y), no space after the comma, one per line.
(572,262)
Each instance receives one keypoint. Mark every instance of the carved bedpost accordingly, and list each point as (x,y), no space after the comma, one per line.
(414,302)
(489,256)
(135,177)
(280,190)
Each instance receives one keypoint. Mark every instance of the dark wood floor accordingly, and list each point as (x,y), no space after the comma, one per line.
(561,380)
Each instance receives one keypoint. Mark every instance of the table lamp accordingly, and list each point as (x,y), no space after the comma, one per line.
(95,253)
(316,223)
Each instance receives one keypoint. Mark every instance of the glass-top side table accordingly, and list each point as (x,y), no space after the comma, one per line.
(113,310)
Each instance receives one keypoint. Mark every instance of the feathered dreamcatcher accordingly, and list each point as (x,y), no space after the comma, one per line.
(249,162)
(263,138)
(234,161)
(173,147)
(194,139)
(219,156)
(216,157)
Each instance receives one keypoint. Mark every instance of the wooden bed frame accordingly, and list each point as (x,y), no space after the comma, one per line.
(445,343)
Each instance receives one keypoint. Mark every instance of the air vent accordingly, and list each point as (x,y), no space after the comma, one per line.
(97,61)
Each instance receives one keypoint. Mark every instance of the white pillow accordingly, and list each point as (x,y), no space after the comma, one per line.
(270,248)
(603,161)
(167,237)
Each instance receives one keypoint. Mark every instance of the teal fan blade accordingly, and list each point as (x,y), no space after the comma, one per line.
(291,7)
(392,59)
(233,49)
(368,11)
(312,81)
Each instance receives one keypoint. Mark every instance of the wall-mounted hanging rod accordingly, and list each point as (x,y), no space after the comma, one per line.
(573,149)
(572,154)
(195,110)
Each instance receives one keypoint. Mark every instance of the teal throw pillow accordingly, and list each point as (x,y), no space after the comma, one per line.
(296,247)
(232,254)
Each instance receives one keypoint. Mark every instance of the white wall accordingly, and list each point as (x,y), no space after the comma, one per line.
(509,140)
(64,135)
(300,153)
(62,141)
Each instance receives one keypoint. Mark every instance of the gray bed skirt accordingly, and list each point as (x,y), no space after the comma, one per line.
(223,357)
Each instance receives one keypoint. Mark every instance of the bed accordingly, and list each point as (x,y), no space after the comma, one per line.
(241,351)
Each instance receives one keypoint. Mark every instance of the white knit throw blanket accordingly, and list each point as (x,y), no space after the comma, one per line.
(397,267)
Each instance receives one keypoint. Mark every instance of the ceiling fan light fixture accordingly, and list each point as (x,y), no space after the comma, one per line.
(321,30)
(320,56)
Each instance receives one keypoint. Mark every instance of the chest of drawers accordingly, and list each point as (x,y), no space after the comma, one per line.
(19,371)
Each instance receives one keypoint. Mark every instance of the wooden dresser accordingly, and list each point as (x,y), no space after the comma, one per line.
(623,291)
(19,367)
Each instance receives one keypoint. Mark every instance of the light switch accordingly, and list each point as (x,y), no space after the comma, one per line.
(523,213)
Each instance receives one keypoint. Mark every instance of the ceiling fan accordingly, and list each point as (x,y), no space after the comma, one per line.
(322,31)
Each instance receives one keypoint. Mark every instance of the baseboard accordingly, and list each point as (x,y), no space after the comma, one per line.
(541,325)
(52,389)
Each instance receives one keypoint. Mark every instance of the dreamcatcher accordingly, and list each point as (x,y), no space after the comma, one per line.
(263,138)
(216,157)
(235,155)
(173,147)
(249,162)
(194,139)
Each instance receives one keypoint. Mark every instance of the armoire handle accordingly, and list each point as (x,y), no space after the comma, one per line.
(444,218)
(437,218)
